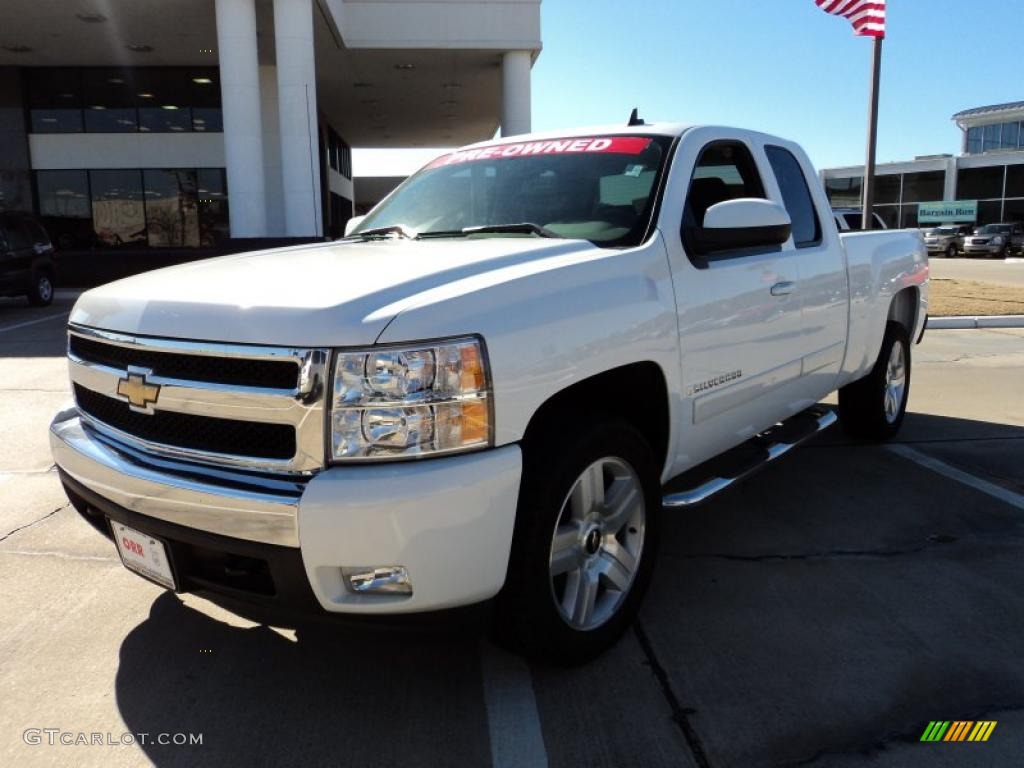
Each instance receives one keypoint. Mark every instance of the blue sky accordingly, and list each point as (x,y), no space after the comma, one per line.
(781,66)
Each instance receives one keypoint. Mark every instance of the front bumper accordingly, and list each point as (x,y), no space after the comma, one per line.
(984,250)
(448,521)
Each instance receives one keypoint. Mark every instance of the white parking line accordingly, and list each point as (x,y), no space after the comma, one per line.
(16,326)
(516,737)
(996,491)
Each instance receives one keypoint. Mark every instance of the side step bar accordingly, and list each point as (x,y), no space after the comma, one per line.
(770,445)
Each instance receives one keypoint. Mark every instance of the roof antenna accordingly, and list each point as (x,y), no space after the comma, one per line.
(635,119)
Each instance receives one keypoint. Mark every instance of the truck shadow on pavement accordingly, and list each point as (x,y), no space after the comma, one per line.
(358,697)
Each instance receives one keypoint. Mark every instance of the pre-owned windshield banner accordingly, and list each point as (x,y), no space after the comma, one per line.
(621,145)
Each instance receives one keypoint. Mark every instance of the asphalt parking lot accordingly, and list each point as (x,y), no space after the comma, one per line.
(821,614)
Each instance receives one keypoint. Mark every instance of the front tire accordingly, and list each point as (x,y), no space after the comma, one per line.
(40,292)
(951,251)
(586,536)
(873,407)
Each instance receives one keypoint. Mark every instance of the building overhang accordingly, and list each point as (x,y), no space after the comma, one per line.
(996,113)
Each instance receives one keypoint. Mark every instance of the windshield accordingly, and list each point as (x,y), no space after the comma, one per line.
(994,229)
(944,231)
(600,189)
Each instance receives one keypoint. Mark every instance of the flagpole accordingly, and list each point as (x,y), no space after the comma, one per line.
(867,221)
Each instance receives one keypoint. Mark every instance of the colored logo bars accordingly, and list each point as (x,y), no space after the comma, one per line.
(958,730)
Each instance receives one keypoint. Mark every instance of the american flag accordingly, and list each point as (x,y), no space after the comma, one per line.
(867,16)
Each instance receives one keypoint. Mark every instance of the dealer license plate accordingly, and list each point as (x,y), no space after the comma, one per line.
(143,554)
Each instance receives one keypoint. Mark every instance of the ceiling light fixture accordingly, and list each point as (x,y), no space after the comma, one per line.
(115,81)
(136,48)
(168,106)
(145,95)
(202,80)
(405,66)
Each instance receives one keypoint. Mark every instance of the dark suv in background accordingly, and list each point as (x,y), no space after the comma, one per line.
(27,265)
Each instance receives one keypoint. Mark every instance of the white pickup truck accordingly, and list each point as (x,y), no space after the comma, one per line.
(494,387)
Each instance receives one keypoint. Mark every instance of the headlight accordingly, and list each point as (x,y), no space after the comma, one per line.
(403,402)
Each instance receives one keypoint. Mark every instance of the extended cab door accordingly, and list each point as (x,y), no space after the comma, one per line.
(823,292)
(739,312)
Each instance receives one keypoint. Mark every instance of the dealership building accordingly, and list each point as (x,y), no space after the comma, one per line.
(165,130)
(982,185)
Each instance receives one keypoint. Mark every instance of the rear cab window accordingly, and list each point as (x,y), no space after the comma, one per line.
(796,196)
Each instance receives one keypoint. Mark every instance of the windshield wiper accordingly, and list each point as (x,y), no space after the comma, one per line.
(525,228)
(394,229)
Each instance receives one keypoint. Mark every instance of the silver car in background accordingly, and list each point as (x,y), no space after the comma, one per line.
(995,240)
(947,239)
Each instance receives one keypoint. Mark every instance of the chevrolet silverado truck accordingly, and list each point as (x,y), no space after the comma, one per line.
(494,387)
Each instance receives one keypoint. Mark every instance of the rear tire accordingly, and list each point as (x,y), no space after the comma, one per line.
(873,407)
(586,537)
(40,292)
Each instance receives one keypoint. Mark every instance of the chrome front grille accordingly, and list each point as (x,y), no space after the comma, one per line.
(241,406)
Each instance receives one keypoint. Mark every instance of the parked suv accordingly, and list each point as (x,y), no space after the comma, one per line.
(27,266)
(995,240)
(947,239)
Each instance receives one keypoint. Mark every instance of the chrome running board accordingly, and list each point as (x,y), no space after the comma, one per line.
(769,448)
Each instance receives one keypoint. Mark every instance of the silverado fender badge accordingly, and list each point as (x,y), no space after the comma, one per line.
(718,381)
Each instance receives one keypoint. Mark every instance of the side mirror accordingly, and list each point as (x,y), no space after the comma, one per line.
(352,223)
(743,223)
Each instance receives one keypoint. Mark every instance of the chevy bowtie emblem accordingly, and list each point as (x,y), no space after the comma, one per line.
(140,395)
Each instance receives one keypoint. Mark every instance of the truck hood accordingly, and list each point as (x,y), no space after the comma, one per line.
(326,294)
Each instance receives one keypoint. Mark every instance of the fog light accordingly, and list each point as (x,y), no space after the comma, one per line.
(389,579)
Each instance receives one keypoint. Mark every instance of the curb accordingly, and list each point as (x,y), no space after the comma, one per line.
(962,323)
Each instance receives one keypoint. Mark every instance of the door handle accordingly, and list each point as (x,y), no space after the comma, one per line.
(783,289)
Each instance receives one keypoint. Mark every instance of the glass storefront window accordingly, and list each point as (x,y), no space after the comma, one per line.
(992,137)
(923,187)
(1011,135)
(1014,210)
(55,100)
(172,208)
(990,212)
(1015,180)
(887,188)
(975,140)
(207,119)
(118,214)
(100,119)
(169,118)
(908,216)
(844,192)
(65,207)
(890,215)
(108,96)
(979,183)
(124,100)
(63,194)
(213,207)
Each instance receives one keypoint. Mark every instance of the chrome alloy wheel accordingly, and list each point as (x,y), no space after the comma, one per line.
(597,543)
(895,382)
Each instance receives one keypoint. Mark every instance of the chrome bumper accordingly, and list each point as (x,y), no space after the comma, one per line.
(163,490)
